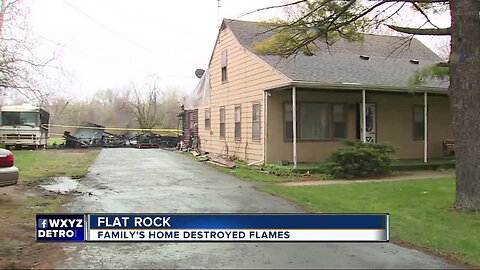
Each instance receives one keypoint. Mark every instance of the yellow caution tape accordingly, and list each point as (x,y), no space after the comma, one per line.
(177,131)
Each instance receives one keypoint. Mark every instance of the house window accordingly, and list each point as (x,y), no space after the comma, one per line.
(192,124)
(418,123)
(224,66)
(238,122)
(316,121)
(222,122)
(256,122)
(207,119)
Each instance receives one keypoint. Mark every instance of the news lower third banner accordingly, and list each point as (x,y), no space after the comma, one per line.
(213,227)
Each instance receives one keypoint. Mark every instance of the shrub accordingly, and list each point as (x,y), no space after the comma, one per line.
(360,159)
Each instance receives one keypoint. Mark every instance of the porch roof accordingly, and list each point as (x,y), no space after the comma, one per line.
(356,86)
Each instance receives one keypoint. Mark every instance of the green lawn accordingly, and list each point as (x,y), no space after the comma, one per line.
(420,211)
(20,203)
(57,141)
(397,165)
(253,173)
(37,164)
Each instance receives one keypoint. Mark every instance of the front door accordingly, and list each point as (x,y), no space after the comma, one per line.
(371,122)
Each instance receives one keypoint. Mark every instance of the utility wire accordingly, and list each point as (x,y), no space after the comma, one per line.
(103,59)
(108,28)
(117,33)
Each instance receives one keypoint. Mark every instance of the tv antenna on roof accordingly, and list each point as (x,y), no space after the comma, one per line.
(218,12)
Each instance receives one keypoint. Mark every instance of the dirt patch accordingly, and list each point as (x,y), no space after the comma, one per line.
(18,206)
(69,152)
(452,258)
(397,176)
(61,184)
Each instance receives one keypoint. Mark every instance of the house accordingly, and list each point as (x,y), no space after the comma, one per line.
(264,109)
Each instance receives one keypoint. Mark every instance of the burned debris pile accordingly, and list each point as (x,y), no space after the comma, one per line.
(90,135)
(94,135)
(153,140)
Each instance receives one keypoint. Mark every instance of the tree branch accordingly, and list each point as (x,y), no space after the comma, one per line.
(272,7)
(424,15)
(424,31)
(414,1)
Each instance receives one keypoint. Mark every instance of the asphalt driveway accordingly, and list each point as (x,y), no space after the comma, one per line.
(153,180)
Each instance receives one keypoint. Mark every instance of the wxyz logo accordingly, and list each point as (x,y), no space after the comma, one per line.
(60,223)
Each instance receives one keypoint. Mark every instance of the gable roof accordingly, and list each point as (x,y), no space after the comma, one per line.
(388,65)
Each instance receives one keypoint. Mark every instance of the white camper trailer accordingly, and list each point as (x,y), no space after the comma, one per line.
(24,126)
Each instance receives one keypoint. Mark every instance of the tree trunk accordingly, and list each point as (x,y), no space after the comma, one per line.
(464,94)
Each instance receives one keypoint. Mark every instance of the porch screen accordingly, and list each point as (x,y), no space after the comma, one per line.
(418,123)
(339,125)
(288,119)
(315,121)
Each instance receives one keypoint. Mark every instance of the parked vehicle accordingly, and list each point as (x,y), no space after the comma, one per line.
(24,126)
(8,172)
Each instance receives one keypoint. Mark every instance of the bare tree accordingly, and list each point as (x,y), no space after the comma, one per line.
(144,104)
(443,48)
(20,67)
(128,107)
(170,107)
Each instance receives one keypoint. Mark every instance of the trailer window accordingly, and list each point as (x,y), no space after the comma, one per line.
(20,118)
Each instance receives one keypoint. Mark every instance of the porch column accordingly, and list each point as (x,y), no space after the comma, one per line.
(294,113)
(265,126)
(364,117)
(425,128)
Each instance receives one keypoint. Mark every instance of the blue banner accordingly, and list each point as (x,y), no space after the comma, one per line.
(238,221)
(60,227)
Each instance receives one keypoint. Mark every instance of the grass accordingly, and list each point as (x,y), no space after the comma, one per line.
(397,165)
(268,173)
(444,160)
(302,165)
(312,167)
(418,164)
(34,165)
(20,203)
(420,211)
(57,141)
(253,173)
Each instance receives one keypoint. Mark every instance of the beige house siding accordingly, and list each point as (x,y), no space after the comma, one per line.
(248,75)
(394,124)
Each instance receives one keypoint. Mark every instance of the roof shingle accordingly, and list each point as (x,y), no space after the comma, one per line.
(388,65)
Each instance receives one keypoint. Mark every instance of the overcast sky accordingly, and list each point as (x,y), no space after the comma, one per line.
(108,43)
